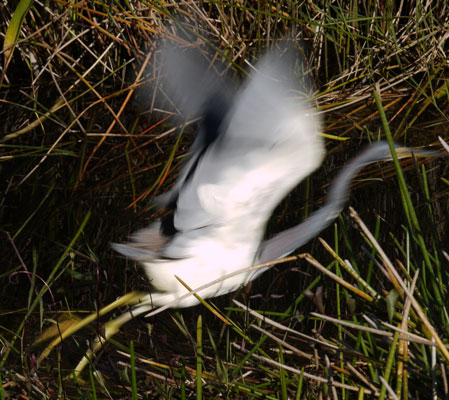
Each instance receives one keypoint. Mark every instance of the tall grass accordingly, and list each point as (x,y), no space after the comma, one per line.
(88,139)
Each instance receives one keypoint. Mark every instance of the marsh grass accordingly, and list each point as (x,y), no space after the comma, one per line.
(88,139)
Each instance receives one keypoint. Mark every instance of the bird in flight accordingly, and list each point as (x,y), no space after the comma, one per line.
(252,148)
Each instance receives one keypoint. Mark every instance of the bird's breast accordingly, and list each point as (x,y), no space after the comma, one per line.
(209,260)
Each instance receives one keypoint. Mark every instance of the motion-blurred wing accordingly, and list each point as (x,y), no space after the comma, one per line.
(198,92)
(291,239)
(269,144)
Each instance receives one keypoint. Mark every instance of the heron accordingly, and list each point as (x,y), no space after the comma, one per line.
(254,145)
(251,150)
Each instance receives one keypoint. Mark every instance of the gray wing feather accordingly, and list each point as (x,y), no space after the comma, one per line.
(255,141)
(195,89)
(289,240)
(144,245)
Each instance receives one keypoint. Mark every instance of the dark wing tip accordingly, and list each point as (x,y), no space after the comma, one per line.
(136,253)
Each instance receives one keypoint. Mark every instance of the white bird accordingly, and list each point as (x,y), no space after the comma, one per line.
(252,149)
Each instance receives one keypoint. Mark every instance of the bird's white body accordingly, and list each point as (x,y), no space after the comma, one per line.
(266,144)
(213,261)
(239,206)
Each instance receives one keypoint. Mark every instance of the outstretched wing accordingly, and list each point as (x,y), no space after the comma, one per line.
(198,92)
(291,239)
(267,144)
(252,149)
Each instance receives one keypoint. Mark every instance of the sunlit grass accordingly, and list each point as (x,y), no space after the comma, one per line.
(88,140)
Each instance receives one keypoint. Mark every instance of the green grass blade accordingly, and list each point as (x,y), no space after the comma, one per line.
(13,31)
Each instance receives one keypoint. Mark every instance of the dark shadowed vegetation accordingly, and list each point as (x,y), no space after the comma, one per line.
(88,139)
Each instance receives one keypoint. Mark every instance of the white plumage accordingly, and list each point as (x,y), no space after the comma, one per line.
(262,146)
